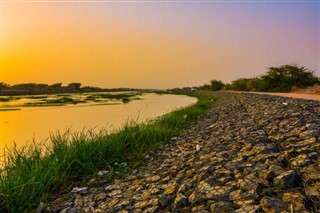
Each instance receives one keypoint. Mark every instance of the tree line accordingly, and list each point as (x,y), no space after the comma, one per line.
(277,79)
(35,88)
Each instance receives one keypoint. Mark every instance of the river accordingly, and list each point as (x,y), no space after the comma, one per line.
(33,124)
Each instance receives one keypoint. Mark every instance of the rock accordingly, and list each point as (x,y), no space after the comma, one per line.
(221,207)
(100,196)
(140,205)
(194,198)
(102,173)
(296,200)
(273,205)
(300,161)
(199,209)
(153,178)
(180,201)
(311,173)
(78,200)
(217,192)
(80,190)
(248,209)
(267,175)
(286,180)
(115,193)
(313,191)
(236,195)
(169,188)
(164,200)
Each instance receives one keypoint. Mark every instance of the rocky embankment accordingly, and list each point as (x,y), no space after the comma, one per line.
(251,153)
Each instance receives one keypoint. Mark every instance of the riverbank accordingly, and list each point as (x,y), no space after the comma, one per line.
(299,95)
(250,153)
(30,177)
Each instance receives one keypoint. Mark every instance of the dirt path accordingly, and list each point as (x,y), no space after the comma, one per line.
(315,97)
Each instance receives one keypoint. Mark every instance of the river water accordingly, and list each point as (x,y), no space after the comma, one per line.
(34,124)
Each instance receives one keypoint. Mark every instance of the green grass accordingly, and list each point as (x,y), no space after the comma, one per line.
(34,174)
(55,102)
(120,96)
(7,99)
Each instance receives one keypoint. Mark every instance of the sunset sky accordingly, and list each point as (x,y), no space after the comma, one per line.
(154,44)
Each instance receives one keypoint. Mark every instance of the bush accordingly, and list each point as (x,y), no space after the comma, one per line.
(283,78)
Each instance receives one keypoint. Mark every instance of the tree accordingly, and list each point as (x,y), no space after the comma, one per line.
(216,85)
(240,84)
(4,85)
(283,78)
(76,86)
(56,86)
(255,84)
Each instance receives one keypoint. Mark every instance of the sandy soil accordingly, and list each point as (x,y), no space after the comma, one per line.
(307,96)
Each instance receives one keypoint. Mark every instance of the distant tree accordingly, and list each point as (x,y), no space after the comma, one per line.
(205,87)
(4,85)
(255,84)
(216,85)
(41,86)
(76,86)
(56,86)
(283,78)
(26,86)
(227,86)
(30,86)
(240,84)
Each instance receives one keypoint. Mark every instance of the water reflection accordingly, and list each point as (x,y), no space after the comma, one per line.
(35,123)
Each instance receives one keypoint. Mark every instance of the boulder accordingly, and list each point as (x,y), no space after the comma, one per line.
(273,205)
(286,180)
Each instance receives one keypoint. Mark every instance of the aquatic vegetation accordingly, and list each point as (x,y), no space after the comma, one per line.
(8,98)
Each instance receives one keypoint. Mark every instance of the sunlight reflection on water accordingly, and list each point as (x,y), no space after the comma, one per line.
(36,123)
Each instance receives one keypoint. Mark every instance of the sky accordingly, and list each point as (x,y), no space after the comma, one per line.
(154,44)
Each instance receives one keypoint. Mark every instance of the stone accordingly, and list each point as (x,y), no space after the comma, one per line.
(78,200)
(267,175)
(153,178)
(115,193)
(301,161)
(180,201)
(169,189)
(140,205)
(273,205)
(194,198)
(218,192)
(296,200)
(199,209)
(221,207)
(313,191)
(100,196)
(236,195)
(248,209)
(80,190)
(286,180)
(164,200)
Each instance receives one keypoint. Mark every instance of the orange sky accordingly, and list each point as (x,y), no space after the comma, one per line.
(150,45)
